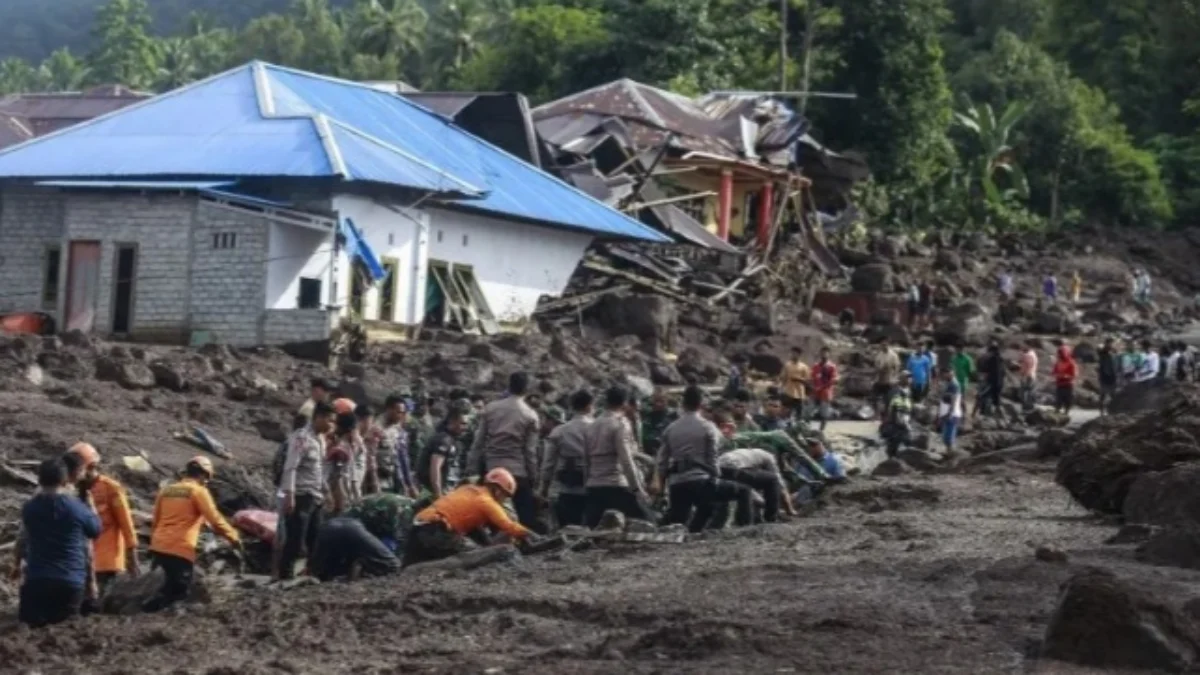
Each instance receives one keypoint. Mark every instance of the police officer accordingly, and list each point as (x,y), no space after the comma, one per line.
(563,468)
(687,462)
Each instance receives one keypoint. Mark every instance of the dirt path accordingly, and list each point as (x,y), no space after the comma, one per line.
(929,575)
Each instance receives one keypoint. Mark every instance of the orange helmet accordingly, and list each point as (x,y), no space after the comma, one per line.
(86,452)
(344,406)
(502,479)
(203,463)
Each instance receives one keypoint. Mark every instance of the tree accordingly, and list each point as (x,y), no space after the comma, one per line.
(461,28)
(61,71)
(126,54)
(993,152)
(177,66)
(275,38)
(551,51)
(389,27)
(16,76)
(1080,160)
(891,58)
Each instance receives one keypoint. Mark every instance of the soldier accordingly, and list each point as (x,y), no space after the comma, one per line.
(655,420)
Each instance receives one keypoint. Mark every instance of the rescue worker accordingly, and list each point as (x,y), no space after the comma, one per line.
(365,541)
(440,530)
(303,490)
(507,439)
(740,411)
(897,414)
(563,476)
(339,463)
(757,469)
(655,419)
(613,479)
(115,550)
(179,512)
(319,393)
(56,529)
(369,437)
(774,417)
(438,470)
(393,458)
(687,464)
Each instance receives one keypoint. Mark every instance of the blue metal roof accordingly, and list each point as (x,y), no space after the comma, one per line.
(261,120)
(136,184)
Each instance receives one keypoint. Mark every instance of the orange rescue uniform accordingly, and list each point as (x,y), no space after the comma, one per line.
(179,512)
(469,508)
(117,535)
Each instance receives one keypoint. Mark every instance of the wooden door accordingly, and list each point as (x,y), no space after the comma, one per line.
(83,284)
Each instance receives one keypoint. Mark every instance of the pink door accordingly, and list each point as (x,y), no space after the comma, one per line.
(83,283)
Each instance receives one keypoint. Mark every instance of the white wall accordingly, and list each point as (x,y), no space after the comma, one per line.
(294,251)
(515,264)
(398,234)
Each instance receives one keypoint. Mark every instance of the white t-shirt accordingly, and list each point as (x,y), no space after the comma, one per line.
(1149,369)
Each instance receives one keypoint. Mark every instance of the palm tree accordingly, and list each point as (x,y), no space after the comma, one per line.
(61,71)
(995,151)
(464,26)
(390,27)
(17,76)
(177,65)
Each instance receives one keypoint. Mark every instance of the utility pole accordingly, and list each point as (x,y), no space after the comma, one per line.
(783,44)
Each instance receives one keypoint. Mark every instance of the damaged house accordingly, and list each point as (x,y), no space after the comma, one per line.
(25,116)
(264,204)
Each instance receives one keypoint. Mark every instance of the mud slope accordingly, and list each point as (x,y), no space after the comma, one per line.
(944,581)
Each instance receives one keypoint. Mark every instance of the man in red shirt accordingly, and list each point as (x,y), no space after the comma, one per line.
(824,379)
(1065,372)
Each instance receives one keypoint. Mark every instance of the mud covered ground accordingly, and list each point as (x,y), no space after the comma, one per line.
(931,574)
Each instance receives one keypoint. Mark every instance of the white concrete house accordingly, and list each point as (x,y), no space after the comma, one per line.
(260,205)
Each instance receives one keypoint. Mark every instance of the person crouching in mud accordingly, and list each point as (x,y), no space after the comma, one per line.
(441,530)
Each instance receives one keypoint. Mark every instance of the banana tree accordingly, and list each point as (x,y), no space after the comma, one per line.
(995,151)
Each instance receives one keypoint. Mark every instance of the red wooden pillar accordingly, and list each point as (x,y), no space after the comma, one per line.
(765,199)
(725,204)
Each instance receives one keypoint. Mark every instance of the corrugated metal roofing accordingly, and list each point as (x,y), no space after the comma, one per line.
(136,184)
(13,130)
(266,121)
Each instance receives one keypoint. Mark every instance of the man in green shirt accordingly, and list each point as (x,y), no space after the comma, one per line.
(963,366)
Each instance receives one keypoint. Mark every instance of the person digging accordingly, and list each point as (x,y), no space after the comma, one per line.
(441,530)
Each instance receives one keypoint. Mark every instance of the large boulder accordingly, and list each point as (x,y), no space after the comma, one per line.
(947,261)
(1172,547)
(1104,622)
(1101,463)
(872,278)
(969,323)
(652,318)
(1140,397)
(1168,498)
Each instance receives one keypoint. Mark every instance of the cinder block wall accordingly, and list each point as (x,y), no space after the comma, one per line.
(229,285)
(31,220)
(157,225)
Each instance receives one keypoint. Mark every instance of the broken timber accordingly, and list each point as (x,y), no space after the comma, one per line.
(580,300)
(597,266)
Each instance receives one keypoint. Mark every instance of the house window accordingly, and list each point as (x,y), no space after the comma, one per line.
(310,293)
(224,240)
(455,299)
(360,281)
(53,263)
(464,240)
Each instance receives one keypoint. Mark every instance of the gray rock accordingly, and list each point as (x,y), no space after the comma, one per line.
(891,467)
(969,323)
(169,377)
(612,520)
(639,526)
(643,387)
(917,459)
(947,260)
(872,278)
(135,375)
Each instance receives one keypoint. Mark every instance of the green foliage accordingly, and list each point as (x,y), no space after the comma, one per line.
(1083,110)
(892,58)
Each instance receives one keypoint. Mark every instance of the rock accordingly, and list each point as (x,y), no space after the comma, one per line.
(1132,534)
(1085,352)
(78,339)
(1173,547)
(34,375)
(1139,397)
(271,430)
(107,370)
(853,257)
(640,526)
(1054,320)
(468,374)
(1045,417)
(892,246)
(355,370)
(168,376)
(897,334)
(135,375)
(651,318)
(767,364)
(1052,442)
(1049,554)
(665,375)
(1166,498)
(891,467)
(918,459)
(947,260)
(1104,622)
(758,317)
(857,385)
(481,351)
(612,520)
(969,323)
(872,278)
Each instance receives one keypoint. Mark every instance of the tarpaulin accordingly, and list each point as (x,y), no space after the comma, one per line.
(357,247)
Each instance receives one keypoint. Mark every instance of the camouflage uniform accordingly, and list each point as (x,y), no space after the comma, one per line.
(385,515)
(786,450)
(653,424)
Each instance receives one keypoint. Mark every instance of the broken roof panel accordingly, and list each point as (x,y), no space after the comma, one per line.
(13,130)
(650,112)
